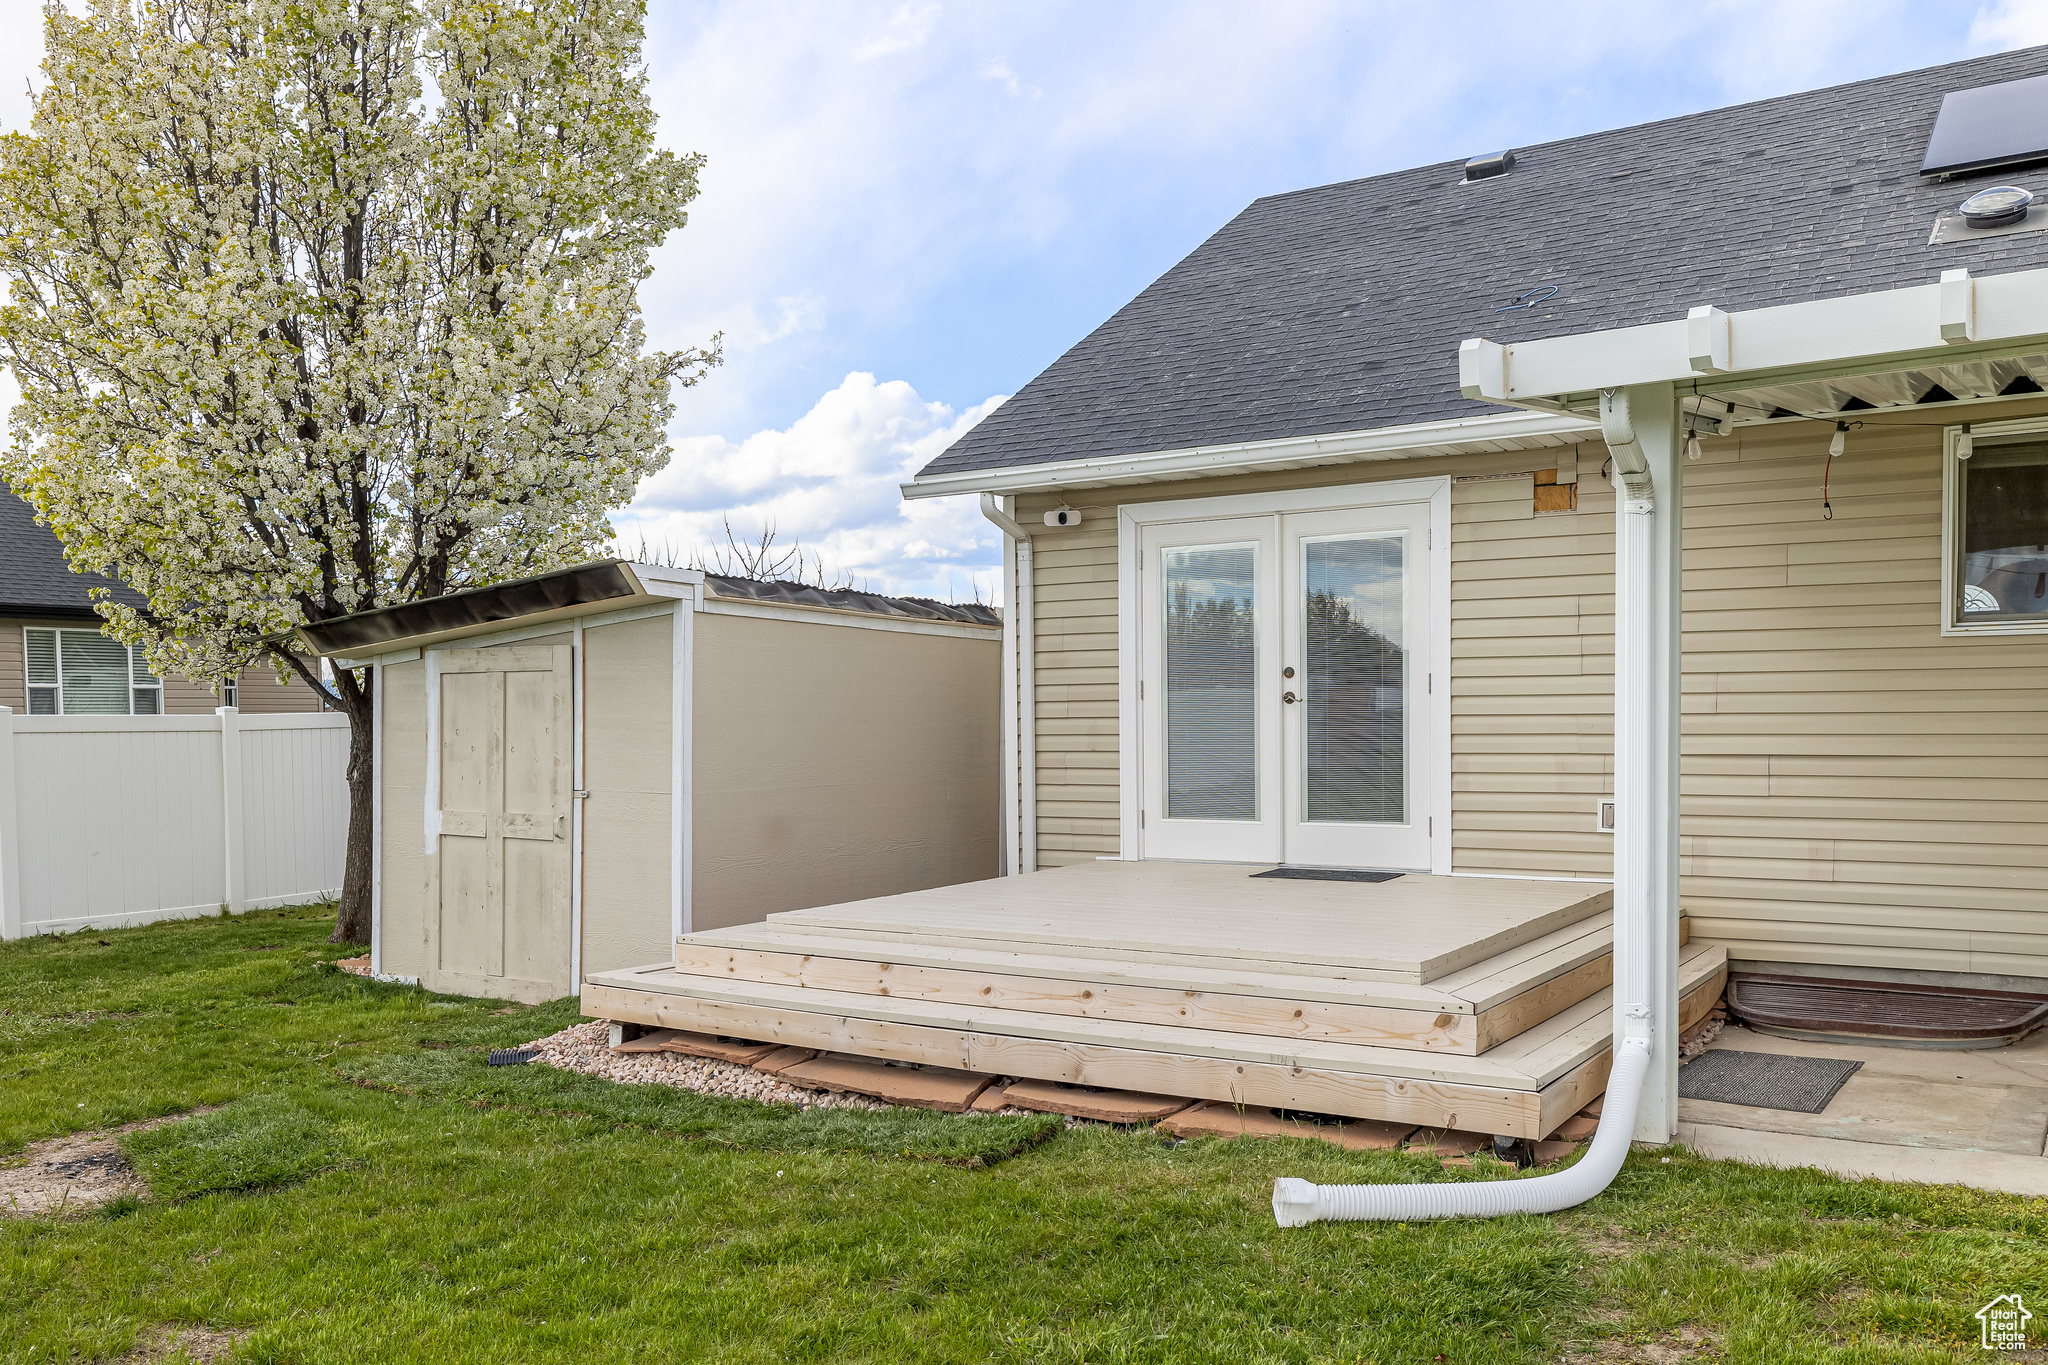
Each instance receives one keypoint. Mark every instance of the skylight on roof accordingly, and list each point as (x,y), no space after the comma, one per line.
(1992,125)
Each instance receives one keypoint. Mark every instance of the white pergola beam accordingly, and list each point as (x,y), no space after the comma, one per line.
(1929,318)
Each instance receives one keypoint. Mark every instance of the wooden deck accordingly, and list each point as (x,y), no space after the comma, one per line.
(1444,1002)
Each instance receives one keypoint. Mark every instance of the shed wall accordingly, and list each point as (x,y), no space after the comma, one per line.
(1857,788)
(402,776)
(627,722)
(834,763)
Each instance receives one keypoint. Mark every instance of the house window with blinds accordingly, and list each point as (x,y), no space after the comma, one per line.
(1998,531)
(83,673)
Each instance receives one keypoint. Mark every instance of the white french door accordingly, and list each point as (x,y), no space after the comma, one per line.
(1287,701)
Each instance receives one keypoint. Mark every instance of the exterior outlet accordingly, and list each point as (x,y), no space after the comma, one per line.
(1603,816)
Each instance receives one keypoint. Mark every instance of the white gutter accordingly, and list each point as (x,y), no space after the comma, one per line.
(1020,694)
(1494,431)
(1296,1202)
(1643,433)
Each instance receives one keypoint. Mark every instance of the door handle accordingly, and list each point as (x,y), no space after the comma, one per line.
(1289,698)
(561,825)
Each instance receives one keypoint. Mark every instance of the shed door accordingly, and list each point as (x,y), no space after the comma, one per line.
(502,920)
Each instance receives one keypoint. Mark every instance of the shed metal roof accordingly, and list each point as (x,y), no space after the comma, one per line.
(848,599)
(580,589)
(1340,308)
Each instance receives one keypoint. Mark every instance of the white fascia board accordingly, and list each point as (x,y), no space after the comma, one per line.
(1344,447)
(660,580)
(2009,309)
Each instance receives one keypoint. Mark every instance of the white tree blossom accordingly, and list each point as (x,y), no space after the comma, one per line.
(324,305)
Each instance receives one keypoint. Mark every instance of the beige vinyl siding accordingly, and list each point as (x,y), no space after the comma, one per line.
(258,693)
(1532,678)
(1858,789)
(13,679)
(1074,597)
(261,693)
(1075,619)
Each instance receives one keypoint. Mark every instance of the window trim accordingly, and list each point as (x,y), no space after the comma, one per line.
(1952,521)
(135,661)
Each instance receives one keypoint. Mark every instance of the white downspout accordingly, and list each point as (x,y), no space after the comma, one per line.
(1020,708)
(1645,789)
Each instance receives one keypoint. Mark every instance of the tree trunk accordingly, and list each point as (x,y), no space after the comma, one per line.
(352,924)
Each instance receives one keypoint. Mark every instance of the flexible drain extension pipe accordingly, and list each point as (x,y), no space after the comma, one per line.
(1298,1201)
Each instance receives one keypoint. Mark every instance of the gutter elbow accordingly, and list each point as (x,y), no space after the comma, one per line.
(992,508)
(1631,466)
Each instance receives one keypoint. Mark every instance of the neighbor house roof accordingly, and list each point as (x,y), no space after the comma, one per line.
(34,579)
(1340,309)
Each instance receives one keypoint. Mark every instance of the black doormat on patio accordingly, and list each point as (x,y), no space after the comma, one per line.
(1327,874)
(1765,1080)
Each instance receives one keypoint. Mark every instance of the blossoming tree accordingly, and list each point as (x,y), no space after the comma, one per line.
(324,305)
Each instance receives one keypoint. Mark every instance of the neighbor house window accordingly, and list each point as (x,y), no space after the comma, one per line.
(83,673)
(228,692)
(1998,531)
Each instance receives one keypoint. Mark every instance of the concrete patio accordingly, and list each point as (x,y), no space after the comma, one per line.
(1967,1118)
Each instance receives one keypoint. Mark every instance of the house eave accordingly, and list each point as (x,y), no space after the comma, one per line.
(1520,430)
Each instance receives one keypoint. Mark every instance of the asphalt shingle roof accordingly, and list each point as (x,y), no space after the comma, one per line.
(34,579)
(1341,308)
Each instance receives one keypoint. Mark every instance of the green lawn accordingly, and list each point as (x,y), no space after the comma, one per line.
(365,1197)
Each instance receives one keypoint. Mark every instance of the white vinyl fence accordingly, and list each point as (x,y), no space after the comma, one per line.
(114,820)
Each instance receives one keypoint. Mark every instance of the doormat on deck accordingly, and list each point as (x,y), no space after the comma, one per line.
(1765,1080)
(1327,874)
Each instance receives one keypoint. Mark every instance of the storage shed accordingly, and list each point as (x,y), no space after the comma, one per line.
(576,768)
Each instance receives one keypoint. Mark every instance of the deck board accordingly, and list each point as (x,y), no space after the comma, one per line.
(1415,928)
(1528,1062)
(1432,1000)
(1551,1082)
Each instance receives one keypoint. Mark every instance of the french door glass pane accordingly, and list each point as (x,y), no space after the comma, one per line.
(95,674)
(1211,652)
(1355,755)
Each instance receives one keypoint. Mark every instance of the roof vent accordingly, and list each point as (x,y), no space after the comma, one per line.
(1992,125)
(2000,207)
(1488,166)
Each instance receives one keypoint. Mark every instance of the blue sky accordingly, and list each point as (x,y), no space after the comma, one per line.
(911,209)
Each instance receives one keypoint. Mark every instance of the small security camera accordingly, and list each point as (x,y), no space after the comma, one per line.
(1063,516)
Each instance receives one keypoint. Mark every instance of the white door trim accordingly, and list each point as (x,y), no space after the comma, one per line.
(1433,771)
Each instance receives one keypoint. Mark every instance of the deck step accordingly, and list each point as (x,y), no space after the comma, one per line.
(1525,1087)
(1416,928)
(1466,1015)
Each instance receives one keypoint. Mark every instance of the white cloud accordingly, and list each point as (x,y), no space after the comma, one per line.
(997,69)
(908,27)
(830,482)
(2009,24)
